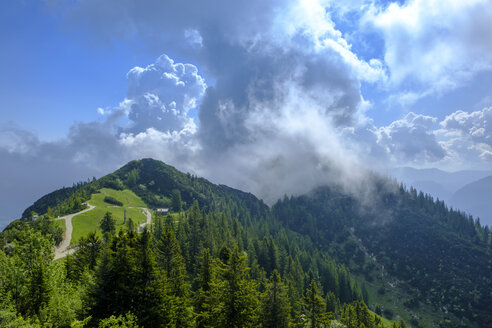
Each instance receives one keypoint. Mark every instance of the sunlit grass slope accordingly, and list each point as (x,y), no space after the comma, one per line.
(88,222)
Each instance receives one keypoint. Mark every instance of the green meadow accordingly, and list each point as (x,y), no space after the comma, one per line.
(87,222)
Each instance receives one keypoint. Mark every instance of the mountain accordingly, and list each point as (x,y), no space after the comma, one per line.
(400,251)
(50,200)
(442,254)
(463,190)
(476,198)
(440,184)
(218,259)
(154,182)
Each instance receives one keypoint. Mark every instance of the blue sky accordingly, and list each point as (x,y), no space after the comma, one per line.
(54,74)
(243,93)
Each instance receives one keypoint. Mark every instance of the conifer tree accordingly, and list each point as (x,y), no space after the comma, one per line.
(108,223)
(125,280)
(195,235)
(176,201)
(85,258)
(314,306)
(170,260)
(206,297)
(130,225)
(355,314)
(38,290)
(331,302)
(275,304)
(239,299)
(171,263)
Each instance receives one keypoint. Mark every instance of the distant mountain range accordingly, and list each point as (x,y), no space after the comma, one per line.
(476,198)
(467,190)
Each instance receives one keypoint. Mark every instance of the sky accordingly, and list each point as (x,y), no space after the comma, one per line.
(273,97)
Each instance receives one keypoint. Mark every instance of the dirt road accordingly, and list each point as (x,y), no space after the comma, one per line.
(62,249)
(149,218)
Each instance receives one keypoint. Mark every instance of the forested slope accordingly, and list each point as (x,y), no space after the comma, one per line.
(224,259)
(221,261)
(444,254)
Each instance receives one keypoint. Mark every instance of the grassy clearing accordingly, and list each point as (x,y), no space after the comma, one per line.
(127,197)
(88,222)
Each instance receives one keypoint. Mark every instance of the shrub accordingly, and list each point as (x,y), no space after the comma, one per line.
(112,200)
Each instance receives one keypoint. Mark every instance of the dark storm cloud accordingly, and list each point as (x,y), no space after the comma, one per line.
(281,81)
(243,48)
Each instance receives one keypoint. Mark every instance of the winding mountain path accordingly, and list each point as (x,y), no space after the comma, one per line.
(149,218)
(62,249)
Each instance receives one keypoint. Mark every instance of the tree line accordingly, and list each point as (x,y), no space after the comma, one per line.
(204,269)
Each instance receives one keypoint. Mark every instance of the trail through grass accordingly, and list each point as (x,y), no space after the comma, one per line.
(88,222)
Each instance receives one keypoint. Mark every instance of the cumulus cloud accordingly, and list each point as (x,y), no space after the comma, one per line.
(412,139)
(161,94)
(461,140)
(282,82)
(276,87)
(470,133)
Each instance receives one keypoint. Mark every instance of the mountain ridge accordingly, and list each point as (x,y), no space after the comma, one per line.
(475,199)
(398,226)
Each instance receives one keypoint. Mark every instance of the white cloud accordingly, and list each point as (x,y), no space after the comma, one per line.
(438,43)
(307,24)
(470,133)
(285,111)
(193,37)
(411,140)
(461,140)
(14,139)
(161,94)
(291,148)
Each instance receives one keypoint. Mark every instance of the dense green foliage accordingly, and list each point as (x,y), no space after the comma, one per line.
(146,274)
(156,182)
(112,200)
(43,224)
(62,201)
(224,259)
(444,254)
(227,264)
(108,224)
